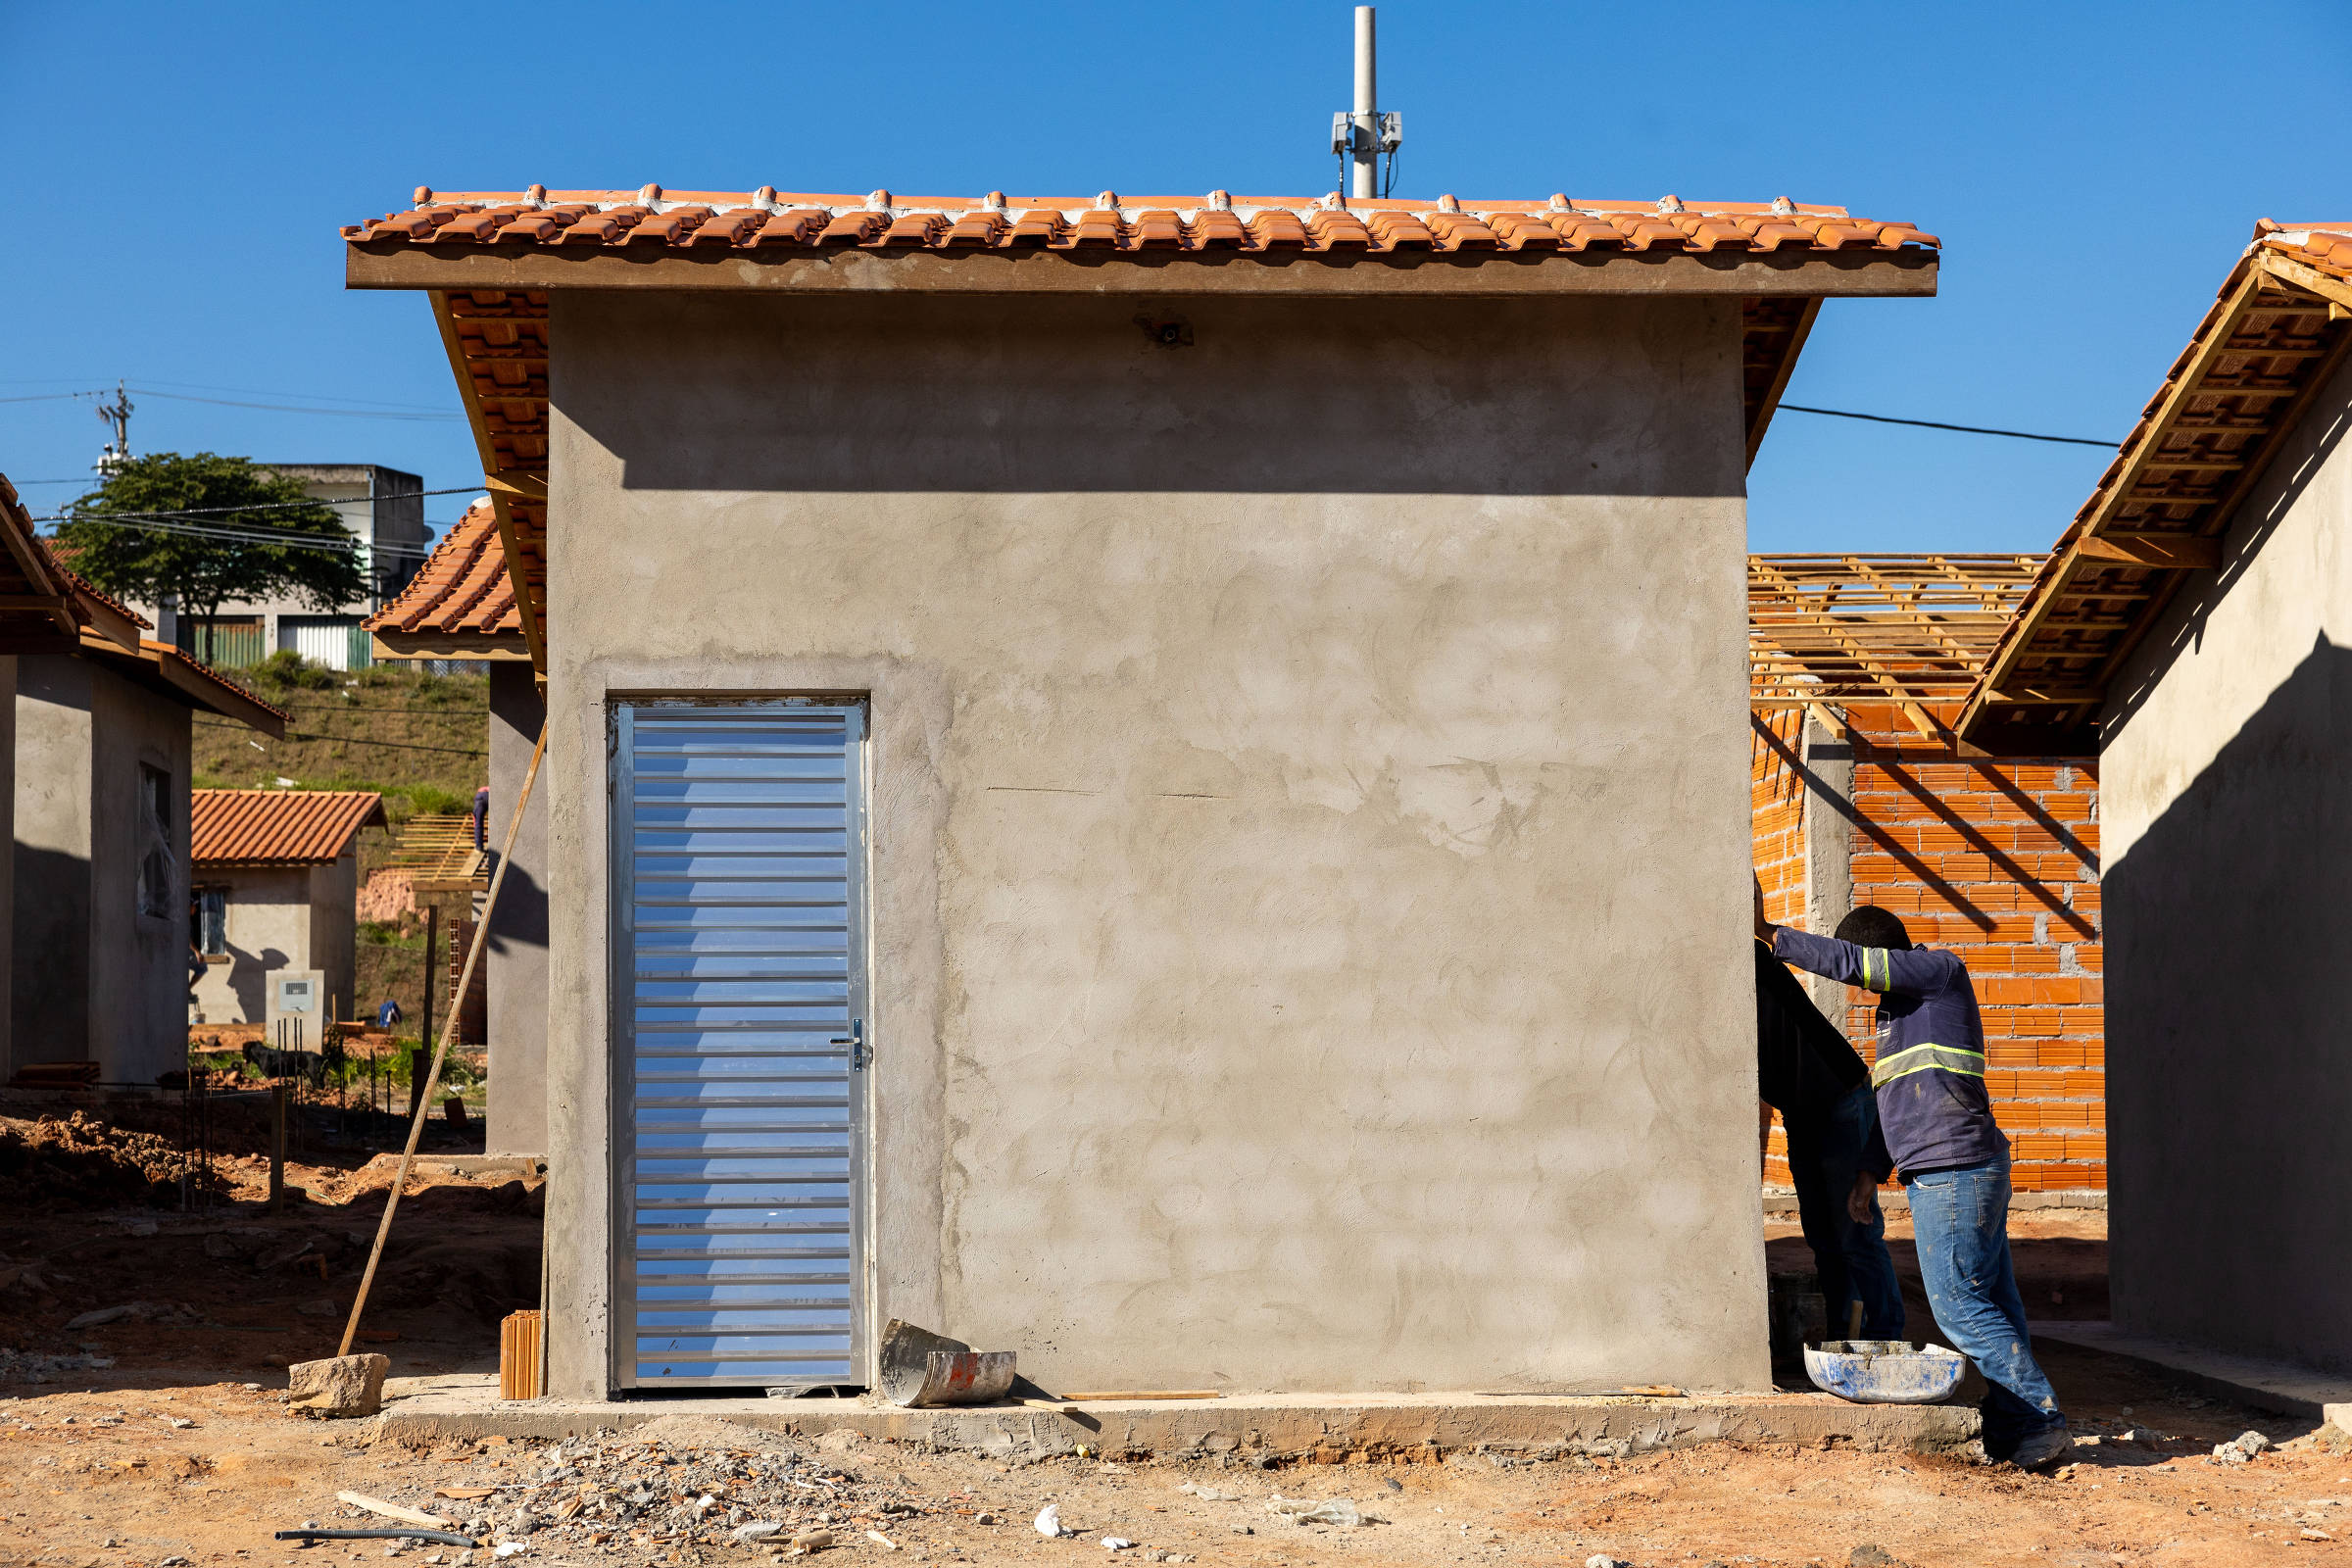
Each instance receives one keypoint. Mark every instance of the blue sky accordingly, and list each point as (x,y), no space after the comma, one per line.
(174,176)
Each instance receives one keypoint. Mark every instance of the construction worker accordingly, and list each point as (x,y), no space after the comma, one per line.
(1806,1070)
(1938,1129)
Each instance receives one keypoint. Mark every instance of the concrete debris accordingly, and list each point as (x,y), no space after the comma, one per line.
(1209,1494)
(1334,1511)
(641,1495)
(1872,1555)
(340,1386)
(1049,1522)
(1601,1560)
(25,1366)
(1117,1544)
(2246,1446)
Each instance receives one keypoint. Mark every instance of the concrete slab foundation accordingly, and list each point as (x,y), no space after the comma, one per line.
(1306,1427)
(2304,1393)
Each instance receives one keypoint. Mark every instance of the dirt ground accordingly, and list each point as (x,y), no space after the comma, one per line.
(156,1436)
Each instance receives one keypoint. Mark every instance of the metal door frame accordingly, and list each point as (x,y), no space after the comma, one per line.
(620,1047)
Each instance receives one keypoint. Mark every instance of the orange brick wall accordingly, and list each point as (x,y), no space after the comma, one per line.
(1998,862)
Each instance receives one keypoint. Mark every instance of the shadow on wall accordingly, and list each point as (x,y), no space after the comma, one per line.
(50,1003)
(1537,397)
(249,980)
(2228,1057)
(520,919)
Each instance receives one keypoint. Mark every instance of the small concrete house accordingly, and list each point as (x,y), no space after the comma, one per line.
(1153,782)
(462,606)
(98,935)
(2195,627)
(276,883)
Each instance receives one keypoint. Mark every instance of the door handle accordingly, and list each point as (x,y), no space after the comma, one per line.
(859,1056)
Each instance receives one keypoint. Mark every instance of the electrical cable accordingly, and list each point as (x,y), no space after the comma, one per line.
(250,536)
(351,740)
(1938,424)
(272,506)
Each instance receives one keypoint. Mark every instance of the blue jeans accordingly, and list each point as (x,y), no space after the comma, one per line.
(1824,1153)
(1961,1218)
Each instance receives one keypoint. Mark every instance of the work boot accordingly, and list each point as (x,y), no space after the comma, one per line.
(2044,1448)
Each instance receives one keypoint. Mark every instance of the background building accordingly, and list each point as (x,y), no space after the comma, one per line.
(276,886)
(384,508)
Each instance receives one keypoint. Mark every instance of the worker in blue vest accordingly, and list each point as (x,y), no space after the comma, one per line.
(1939,1133)
(1806,1070)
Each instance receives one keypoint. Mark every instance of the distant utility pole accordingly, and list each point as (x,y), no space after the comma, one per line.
(1359,136)
(115,415)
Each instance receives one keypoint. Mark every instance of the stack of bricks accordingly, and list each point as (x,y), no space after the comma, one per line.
(1998,862)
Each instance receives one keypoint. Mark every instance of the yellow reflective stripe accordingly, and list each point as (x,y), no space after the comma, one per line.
(1886,972)
(1921,1059)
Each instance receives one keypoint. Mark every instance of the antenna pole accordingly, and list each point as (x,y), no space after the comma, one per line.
(1365,152)
(116,417)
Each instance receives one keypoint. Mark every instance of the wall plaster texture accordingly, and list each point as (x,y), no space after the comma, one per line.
(516,951)
(281,917)
(2227,893)
(95,979)
(1308,817)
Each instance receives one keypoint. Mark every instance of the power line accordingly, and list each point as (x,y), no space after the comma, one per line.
(352,740)
(1937,425)
(411,412)
(255,537)
(265,506)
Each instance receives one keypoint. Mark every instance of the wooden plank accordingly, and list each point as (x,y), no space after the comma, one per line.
(2186,553)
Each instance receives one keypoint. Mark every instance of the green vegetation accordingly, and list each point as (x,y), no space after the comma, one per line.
(422,740)
(208,529)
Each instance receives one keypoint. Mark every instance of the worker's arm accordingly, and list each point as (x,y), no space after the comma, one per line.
(1904,971)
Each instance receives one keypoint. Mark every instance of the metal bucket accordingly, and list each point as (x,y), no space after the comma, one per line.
(1885,1371)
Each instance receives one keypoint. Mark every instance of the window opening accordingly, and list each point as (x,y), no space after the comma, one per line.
(159,857)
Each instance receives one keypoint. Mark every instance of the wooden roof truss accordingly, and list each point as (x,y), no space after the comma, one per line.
(1900,630)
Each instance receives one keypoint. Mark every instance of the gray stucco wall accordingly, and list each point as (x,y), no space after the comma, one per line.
(281,917)
(1308,810)
(8,860)
(2228,910)
(101,980)
(518,943)
(50,1004)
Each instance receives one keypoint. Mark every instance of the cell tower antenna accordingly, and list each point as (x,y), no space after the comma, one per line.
(1359,136)
(116,417)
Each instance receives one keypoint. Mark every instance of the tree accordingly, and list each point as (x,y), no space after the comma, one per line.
(241,531)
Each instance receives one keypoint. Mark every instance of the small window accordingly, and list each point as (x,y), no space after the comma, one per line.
(159,855)
(208,922)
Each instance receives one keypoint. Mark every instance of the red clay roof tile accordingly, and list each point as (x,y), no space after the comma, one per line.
(278,828)
(463,587)
(881,220)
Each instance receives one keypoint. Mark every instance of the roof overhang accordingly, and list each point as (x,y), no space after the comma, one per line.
(168,672)
(2275,334)
(493,647)
(1802,275)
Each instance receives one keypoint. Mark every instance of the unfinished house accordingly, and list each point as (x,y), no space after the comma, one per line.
(2192,628)
(1151,782)
(276,883)
(1862,794)
(462,606)
(98,939)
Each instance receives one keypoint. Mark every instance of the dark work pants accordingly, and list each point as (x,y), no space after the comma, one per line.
(1824,1153)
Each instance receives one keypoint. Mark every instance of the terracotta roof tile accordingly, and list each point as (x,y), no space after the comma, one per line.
(463,587)
(278,828)
(762,219)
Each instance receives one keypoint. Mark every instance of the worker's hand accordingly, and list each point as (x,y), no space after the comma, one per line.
(1862,1203)
(1763,926)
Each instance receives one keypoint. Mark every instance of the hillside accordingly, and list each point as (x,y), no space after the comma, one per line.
(420,740)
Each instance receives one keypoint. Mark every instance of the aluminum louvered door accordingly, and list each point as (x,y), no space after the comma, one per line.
(740,987)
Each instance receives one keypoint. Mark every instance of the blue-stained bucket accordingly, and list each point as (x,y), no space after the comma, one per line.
(1885,1371)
